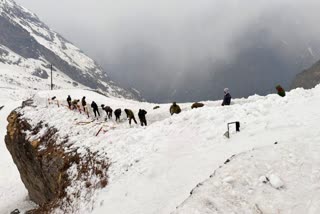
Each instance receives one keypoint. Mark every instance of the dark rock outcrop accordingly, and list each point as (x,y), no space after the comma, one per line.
(309,78)
(43,163)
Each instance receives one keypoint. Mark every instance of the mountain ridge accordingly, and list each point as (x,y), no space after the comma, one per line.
(308,78)
(30,44)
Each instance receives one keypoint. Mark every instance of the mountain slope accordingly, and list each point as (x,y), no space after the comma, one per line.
(309,78)
(28,43)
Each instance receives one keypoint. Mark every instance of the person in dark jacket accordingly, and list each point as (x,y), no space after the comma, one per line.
(142,117)
(175,109)
(108,111)
(130,115)
(226,98)
(281,91)
(117,113)
(84,103)
(94,106)
(69,101)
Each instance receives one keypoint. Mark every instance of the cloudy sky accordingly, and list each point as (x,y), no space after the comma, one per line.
(151,44)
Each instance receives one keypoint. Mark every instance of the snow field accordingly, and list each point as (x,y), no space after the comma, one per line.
(276,179)
(154,168)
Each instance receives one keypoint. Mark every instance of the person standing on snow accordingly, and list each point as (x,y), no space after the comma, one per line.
(175,109)
(226,98)
(84,103)
(142,117)
(281,91)
(130,115)
(108,111)
(69,101)
(117,113)
(75,105)
(94,106)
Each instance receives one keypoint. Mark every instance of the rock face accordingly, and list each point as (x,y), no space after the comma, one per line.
(43,187)
(308,78)
(45,166)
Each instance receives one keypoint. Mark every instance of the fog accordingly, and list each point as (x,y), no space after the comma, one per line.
(190,50)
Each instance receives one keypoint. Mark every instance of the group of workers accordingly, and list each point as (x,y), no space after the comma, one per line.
(75,105)
(174,109)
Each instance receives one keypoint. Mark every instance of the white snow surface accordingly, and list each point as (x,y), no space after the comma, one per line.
(154,168)
(17,77)
(299,192)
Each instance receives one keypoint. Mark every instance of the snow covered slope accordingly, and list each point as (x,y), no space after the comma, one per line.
(276,179)
(154,168)
(28,47)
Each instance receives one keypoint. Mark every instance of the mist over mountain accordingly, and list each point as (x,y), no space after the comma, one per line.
(185,51)
(270,51)
(28,49)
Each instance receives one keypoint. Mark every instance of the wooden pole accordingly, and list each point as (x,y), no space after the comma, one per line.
(51,78)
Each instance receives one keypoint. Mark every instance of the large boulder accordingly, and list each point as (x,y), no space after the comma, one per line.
(45,165)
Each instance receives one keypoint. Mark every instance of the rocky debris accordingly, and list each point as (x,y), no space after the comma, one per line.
(54,174)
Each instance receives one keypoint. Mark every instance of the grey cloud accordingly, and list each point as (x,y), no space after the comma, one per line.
(164,48)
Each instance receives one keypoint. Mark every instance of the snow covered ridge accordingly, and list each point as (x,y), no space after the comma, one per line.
(60,142)
(154,168)
(28,43)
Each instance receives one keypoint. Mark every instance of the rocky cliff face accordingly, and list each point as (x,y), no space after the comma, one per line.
(308,78)
(28,43)
(55,174)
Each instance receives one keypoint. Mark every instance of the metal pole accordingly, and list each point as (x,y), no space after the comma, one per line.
(51,78)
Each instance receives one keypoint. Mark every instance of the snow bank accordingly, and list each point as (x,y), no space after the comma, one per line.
(154,168)
(297,164)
